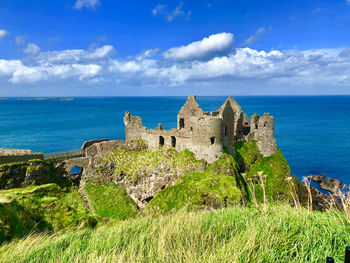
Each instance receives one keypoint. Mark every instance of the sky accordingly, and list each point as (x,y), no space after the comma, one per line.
(168,48)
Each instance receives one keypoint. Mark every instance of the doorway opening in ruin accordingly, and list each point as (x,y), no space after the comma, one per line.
(212,140)
(173,141)
(182,123)
(161,141)
(256,126)
(76,170)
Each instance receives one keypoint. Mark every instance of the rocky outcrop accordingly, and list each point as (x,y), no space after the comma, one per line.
(35,172)
(327,183)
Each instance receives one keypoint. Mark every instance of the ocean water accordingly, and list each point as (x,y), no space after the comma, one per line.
(313,132)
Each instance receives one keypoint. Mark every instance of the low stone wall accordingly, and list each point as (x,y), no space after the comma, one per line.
(20,157)
(4,151)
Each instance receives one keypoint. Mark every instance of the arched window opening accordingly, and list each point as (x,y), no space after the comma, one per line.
(173,141)
(161,141)
(225,130)
(256,126)
(182,123)
(265,124)
(212,140)
(75,170)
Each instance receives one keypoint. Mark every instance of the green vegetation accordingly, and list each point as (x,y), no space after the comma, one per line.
(33,172)
(45,207)
(196,190)
(111,201)
(274,171)
(131,163)
(237,234)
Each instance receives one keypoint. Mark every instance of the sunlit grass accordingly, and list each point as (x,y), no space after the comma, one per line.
(238,234)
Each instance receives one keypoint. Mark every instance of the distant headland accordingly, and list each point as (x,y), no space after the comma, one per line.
(60,99)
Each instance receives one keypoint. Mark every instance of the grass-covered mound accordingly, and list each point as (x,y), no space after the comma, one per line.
(110,201)
(45,207)
(281,234)
(135,163)
(196,190)
(273,171)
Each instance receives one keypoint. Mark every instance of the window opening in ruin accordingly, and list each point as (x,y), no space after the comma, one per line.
(265,124)
(76,170)
(256,126)
(173,141)
(246,123)
(161,141)
(225,131)
(191,128)
(212,140)
(182,123)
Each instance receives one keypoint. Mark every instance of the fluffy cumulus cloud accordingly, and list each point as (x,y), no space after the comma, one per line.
(206,48)
(3,33)
(181,67)
(170,14)
(88,4)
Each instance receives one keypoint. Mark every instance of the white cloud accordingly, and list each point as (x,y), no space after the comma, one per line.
(3,33)
(257,36)
(88,4)
(20,40)
(31,49)
(170,15)
(249,68)
(203,49)
(101,52)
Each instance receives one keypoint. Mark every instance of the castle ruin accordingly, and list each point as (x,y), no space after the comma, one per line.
(206,134)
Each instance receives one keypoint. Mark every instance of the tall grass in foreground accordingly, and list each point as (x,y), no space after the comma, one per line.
(238,234)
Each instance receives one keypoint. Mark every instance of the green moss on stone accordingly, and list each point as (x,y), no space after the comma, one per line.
(130,163)
(275,169)
(194,191)
(111,201)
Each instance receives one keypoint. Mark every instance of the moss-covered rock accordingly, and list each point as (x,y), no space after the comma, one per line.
(45,207)
(194,191)
(110,201)
(33,172)
(273,171)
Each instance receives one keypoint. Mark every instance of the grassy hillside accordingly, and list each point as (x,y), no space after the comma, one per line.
(110,201)
(237,234)
(45,207)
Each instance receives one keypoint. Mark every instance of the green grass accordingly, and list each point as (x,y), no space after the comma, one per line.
(194,191)
(38,208)
(274,167)
(111,201)
(131,163)
(237,234)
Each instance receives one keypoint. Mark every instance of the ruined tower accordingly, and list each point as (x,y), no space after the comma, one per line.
(206,135)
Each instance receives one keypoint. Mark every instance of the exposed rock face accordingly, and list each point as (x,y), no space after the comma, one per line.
(327,183)
(318,178)
(18,175)
(330,184)
(140,178)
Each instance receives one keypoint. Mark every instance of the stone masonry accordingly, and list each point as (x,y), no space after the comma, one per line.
(206,134)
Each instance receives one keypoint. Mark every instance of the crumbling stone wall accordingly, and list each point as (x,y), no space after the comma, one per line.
(18,155)
(264,133)
(206,134)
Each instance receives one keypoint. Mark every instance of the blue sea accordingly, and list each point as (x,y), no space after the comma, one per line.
(313,132)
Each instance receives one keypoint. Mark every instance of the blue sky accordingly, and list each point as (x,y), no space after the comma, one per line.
(214,47)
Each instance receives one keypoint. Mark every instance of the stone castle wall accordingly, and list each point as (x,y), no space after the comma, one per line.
(206,135)
(20,157)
